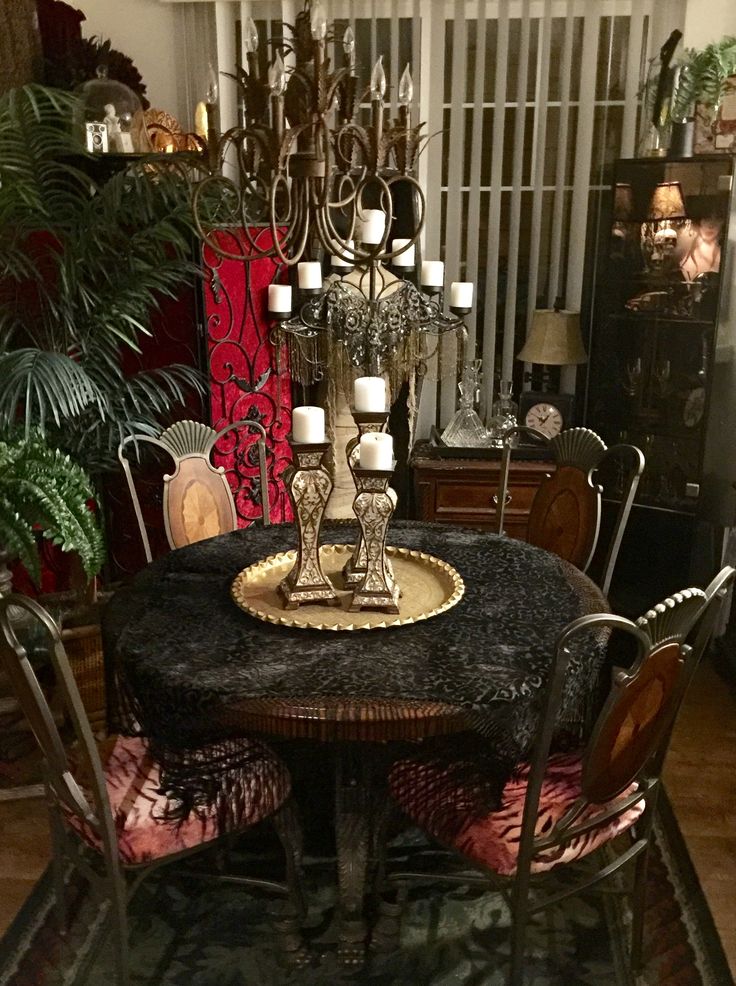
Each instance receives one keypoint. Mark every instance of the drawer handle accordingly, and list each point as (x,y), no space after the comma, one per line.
(494,500)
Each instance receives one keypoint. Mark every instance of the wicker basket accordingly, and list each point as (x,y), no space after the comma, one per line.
(84,649)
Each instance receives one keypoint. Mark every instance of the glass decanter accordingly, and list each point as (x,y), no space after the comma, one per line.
(504,414)
(465,427)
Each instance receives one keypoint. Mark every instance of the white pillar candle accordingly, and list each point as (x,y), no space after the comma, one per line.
(348,252)
(376,451)
(373,226)
(433,273)
(279,297)
(461,294)
(308,425)
(309,274)
(405,259)
(369,394)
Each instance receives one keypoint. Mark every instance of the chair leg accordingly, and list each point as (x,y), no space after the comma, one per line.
(58,847)
(519,921)
(119,916)
(119,921)
(638,909)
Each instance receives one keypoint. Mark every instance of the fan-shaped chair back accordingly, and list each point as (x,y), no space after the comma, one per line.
(558,809)
(565,515)
(198,499)
(628,744)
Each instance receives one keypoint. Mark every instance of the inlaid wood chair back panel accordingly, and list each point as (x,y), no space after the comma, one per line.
(198,502)
(634,724)
(643,701)
(565,515)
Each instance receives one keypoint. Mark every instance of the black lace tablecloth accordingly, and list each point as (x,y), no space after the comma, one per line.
(181,654)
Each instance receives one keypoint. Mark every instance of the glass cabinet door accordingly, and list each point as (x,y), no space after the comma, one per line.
(658,286)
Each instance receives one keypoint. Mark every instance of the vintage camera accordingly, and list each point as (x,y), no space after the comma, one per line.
(96,137)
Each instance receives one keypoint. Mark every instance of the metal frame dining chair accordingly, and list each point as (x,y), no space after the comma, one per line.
(565,514)
(559,809)
(112,821)
(198,500)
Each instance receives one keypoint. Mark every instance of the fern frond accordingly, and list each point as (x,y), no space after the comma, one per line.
(42,486)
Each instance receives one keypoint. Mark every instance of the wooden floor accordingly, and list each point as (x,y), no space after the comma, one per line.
(700,776)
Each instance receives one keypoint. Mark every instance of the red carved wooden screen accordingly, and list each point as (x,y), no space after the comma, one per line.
(245,380)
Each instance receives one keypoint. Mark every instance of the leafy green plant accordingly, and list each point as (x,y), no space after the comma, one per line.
(702,76)
(42,487)
(83,265)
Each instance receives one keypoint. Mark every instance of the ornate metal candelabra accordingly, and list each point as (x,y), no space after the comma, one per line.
(308,171)
(309,485)
(374,507)
(367,422)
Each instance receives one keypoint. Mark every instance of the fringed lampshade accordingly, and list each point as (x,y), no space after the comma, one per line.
(667,202)
(554,339)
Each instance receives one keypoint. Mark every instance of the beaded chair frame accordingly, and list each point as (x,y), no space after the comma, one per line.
(670,640)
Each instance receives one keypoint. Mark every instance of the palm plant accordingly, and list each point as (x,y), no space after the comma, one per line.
(42,487)
(82,267)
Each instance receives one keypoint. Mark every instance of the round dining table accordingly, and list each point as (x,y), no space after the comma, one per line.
(187,667)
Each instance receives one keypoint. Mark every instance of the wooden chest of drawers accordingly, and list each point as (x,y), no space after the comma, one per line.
(465,491)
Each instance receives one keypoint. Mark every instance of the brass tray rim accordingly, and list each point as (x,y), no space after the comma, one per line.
(290,618)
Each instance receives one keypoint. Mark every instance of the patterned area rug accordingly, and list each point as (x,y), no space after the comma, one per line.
(190,932)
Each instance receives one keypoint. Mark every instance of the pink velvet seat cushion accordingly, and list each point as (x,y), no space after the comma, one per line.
(444,807)
(139,807)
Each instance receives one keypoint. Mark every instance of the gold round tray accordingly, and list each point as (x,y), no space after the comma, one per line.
(429,586)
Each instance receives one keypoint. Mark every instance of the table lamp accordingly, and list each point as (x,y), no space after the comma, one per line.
(555,338)
(659,233)
(667,202)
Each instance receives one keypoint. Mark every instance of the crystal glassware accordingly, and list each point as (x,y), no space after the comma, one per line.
(504,414)
(465,428)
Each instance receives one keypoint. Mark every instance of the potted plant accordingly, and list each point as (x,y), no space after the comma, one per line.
(42,489)
(82,266)
(701,80)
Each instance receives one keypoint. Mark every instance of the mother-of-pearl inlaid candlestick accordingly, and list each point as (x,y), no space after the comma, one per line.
(309,485)
(374,505)
(368,422)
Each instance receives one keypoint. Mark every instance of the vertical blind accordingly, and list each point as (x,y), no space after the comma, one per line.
(531,101)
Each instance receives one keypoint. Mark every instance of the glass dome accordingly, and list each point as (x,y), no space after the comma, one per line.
(111,117)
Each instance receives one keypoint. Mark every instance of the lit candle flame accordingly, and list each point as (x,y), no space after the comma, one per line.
(213,90)
(318,22)
(277,76)
(378,80)
(406,87)
(250,39)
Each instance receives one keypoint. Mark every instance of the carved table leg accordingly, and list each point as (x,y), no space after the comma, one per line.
(353,798)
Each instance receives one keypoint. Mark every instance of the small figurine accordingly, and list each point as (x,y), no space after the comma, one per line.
(118,139)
